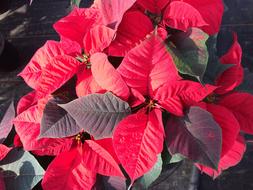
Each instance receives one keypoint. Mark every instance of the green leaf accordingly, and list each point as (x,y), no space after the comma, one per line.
(146,180)
(20,170)
(75,3)
(189,52)
(176,158)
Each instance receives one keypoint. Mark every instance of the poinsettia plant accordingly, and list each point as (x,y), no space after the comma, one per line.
(130,87)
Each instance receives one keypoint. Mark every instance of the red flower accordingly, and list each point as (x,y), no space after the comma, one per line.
(77,168)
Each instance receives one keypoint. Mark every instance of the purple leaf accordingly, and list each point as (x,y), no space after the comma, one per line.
(98,114)
(6,123)
(196,136)
(56,122)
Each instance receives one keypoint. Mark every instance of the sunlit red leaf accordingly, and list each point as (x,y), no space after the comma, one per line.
(128,37)
(43,57)
(112,10)
(182,16)
(176,94)
(26,101)
(132,142)
(154,6)
(233,76)
(86,83)
(55,74)
(77,24)
(67,171)
(231,158)
(101,68)
(211,11)
(97,159)
(240,104)
(98,38)
(4,150)
(148,66)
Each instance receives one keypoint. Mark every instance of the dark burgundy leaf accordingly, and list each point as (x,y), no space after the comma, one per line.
(196,136)
(98,114)
(56,122)
(109,183)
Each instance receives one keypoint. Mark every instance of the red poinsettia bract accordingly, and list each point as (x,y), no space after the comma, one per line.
(231,109)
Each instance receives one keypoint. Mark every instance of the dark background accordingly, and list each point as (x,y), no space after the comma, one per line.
(28,27)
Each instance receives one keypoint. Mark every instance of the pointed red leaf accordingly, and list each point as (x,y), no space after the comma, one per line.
(97,39)
(132,142)
(128,37)
(182,16)
(77,24)
(174,95)
(135,98)
(55,74)
(27,125)
(113,10)
(4,150)
(67,171)
(97,159)
(26,101)
(154,6)
(231,158)
(106,143)
(86,83)
(228,123)
(211,11)
(101,68)
(44,56)
(233,76)
(240,104)
(148,66)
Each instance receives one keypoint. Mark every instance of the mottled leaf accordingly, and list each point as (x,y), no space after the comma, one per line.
(177,158)
(189,52)
(20,170)
(197,136)
(98,114)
